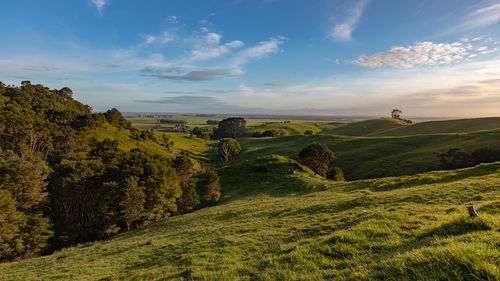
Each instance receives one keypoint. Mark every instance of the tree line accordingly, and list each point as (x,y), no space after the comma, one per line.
(60,186)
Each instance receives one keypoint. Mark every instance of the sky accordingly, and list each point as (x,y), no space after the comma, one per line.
(306,57)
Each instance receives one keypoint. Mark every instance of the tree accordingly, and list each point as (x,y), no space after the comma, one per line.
(228,148)
(486,155)
(230,128)
(335,174)
(396,113)
(317,156)
(455,158)
(209,188)
(133,200)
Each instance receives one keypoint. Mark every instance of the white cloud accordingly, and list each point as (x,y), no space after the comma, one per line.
(173,19)
(204,29)
(343,31)
(205,53)
(258,51)
(483,17)
(420,54)
(162,38)
(99,4)
(213,38)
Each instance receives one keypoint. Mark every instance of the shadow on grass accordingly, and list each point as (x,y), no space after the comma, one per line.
(392,183)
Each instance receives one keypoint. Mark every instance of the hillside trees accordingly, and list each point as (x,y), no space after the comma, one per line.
(230,128)
(209,188)
(60,186)
(228,148)
(318,157)
(24,231)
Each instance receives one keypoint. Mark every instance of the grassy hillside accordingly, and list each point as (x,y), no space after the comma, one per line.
(371,157)
(368,127)
(447,126)
(275,226)
(295,128)
(196,147)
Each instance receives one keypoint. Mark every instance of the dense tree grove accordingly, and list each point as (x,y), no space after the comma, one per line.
(456,158)
(60,186)
(318,157)
(230,128)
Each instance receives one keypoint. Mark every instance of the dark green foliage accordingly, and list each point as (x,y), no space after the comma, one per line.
(335,174)
(170,121)
(132,203)
(308,133)
(189,199)
(115,118)
(230,128)
(318,157)
(209,188)
(203,133)
(267,133)
(60,186)
(486,155)
(455,158)
(212,122)
(24,231)
(228,148)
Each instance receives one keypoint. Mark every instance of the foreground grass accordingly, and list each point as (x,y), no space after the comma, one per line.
(275,226)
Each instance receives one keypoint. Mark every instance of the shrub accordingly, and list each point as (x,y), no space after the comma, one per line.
(486,155)
(309,132)
(335,174)
(209,188)
(455,158)
(317,156)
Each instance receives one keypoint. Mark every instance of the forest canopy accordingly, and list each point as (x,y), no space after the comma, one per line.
(60,186)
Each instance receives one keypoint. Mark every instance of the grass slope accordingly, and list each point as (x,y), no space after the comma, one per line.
(371,157)
(447,126)
(196,147)
(368,127)
(295,128)
(275,226)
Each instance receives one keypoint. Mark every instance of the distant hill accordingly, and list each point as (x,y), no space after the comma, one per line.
(368,127)
(447,126)
(276,226)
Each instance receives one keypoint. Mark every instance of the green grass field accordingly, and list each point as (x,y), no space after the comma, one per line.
(270,225)
(274,226)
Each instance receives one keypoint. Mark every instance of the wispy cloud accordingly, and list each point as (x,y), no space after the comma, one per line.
(99,4)
(422,54)
(162,38)
(482,17)
(261,50)
(275,84)
(193,76)
(343,31)
(210,47)
(184,100)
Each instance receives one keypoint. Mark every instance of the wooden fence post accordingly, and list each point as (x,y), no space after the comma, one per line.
(472,212)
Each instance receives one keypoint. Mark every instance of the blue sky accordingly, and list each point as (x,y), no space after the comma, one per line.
(355,57)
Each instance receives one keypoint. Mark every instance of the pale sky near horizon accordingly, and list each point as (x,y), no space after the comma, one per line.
(351,57)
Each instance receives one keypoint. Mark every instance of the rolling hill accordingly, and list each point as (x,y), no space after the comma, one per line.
(275,226)
(459,126)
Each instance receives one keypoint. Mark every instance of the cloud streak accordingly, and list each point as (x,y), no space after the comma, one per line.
(343,31)
(192,76)
(99,4)
(184,100)
(483,17)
